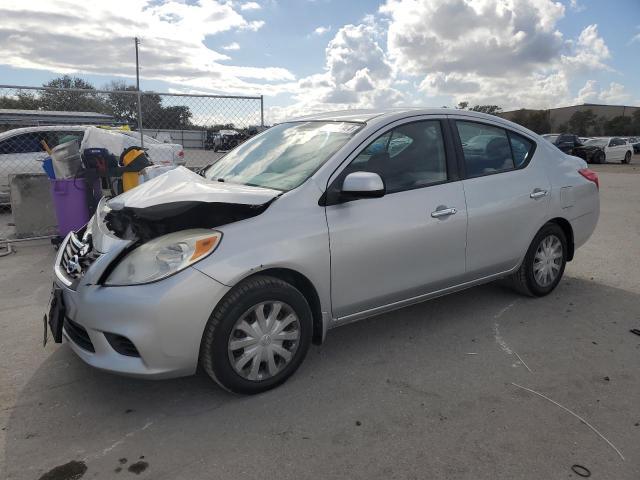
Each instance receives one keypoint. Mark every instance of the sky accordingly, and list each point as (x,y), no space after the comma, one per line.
(306,56)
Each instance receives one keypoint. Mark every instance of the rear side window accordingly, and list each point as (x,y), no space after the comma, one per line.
(522,149)
(488,149)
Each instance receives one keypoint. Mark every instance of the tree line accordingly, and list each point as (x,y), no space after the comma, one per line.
(123,107)
(583,122)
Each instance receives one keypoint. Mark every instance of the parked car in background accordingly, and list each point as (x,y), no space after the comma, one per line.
(312,224)
(223,140)
(21,150)
(605,149)
(566,142)
(635,143)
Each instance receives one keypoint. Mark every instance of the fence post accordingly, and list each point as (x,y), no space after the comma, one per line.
(262,110)
(137,42)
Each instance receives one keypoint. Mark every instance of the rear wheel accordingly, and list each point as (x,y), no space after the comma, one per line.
(544,263)
(627,158)
(257,336)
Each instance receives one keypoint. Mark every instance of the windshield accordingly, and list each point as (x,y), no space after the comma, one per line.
(284,156)
(598,142)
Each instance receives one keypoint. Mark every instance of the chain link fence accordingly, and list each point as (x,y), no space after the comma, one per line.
(179,129)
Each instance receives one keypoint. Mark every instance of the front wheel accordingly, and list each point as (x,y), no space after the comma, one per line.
(257,336)
(600,157)
(544,263)
(627,158)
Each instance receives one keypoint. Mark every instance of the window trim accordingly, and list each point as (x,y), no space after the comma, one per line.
(331,195)
(460,153)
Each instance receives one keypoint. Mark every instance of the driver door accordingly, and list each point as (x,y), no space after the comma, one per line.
(394,248)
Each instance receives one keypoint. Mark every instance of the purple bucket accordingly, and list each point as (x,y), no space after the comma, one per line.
(70,201)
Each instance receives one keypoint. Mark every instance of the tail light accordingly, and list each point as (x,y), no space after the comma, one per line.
(590,175)
(181,153)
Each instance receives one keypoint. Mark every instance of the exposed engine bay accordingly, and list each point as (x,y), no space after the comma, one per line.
(179,200)
(144,224)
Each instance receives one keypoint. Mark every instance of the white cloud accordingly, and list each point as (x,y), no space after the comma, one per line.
(507,52)
(635,38)
(357,74)
(592,93)
(576,6)
(589,93)
(322,30)
(250,6)
(232,46)
(616,93)
(591,51)
(62,37)
(481,36)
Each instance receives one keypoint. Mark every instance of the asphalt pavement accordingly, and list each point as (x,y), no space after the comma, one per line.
(434,391)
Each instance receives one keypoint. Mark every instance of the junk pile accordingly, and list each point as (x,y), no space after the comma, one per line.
(81,173)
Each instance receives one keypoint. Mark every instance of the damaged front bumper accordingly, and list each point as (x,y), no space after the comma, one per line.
(151,330)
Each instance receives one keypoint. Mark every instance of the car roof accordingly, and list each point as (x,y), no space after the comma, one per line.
(365,115)
(42,128)
(374,117)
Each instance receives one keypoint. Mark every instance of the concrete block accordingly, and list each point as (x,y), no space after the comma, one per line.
(31,205)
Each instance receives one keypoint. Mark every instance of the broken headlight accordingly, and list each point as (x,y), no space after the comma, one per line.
(164,256)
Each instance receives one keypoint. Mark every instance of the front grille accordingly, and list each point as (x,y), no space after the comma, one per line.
(77,256)
(78,335)
(122,345)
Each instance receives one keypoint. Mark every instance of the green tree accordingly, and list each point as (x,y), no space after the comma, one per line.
(536,120)
(23,100)
(582,122)
(490,109)
(618,126)
(63,99)
(123,106)
(462,105)
(177,116)
(635,122)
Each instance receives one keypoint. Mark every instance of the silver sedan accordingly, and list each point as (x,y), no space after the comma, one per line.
(316,222)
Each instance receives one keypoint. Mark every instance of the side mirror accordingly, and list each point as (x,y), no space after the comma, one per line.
(363,185)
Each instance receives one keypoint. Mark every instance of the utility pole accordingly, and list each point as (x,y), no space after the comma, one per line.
(137,42)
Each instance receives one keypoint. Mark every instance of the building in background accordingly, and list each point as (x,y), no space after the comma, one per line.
(14,118)
(589,119)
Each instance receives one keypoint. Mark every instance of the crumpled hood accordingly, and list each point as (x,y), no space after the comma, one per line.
(183,185)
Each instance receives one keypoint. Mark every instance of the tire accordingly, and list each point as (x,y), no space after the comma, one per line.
(627,158)
(525,279)
(600,157)
(226,327)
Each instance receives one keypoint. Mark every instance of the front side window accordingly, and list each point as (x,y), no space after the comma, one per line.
(284,156)
(486,148)
(407,157)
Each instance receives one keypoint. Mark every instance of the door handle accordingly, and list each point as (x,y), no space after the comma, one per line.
(443,212)
(538,193)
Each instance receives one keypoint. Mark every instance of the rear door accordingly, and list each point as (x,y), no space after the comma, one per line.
(507,193)
(412,240)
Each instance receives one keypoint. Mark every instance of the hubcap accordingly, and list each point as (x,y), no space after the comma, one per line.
(547,261)
(264,340)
